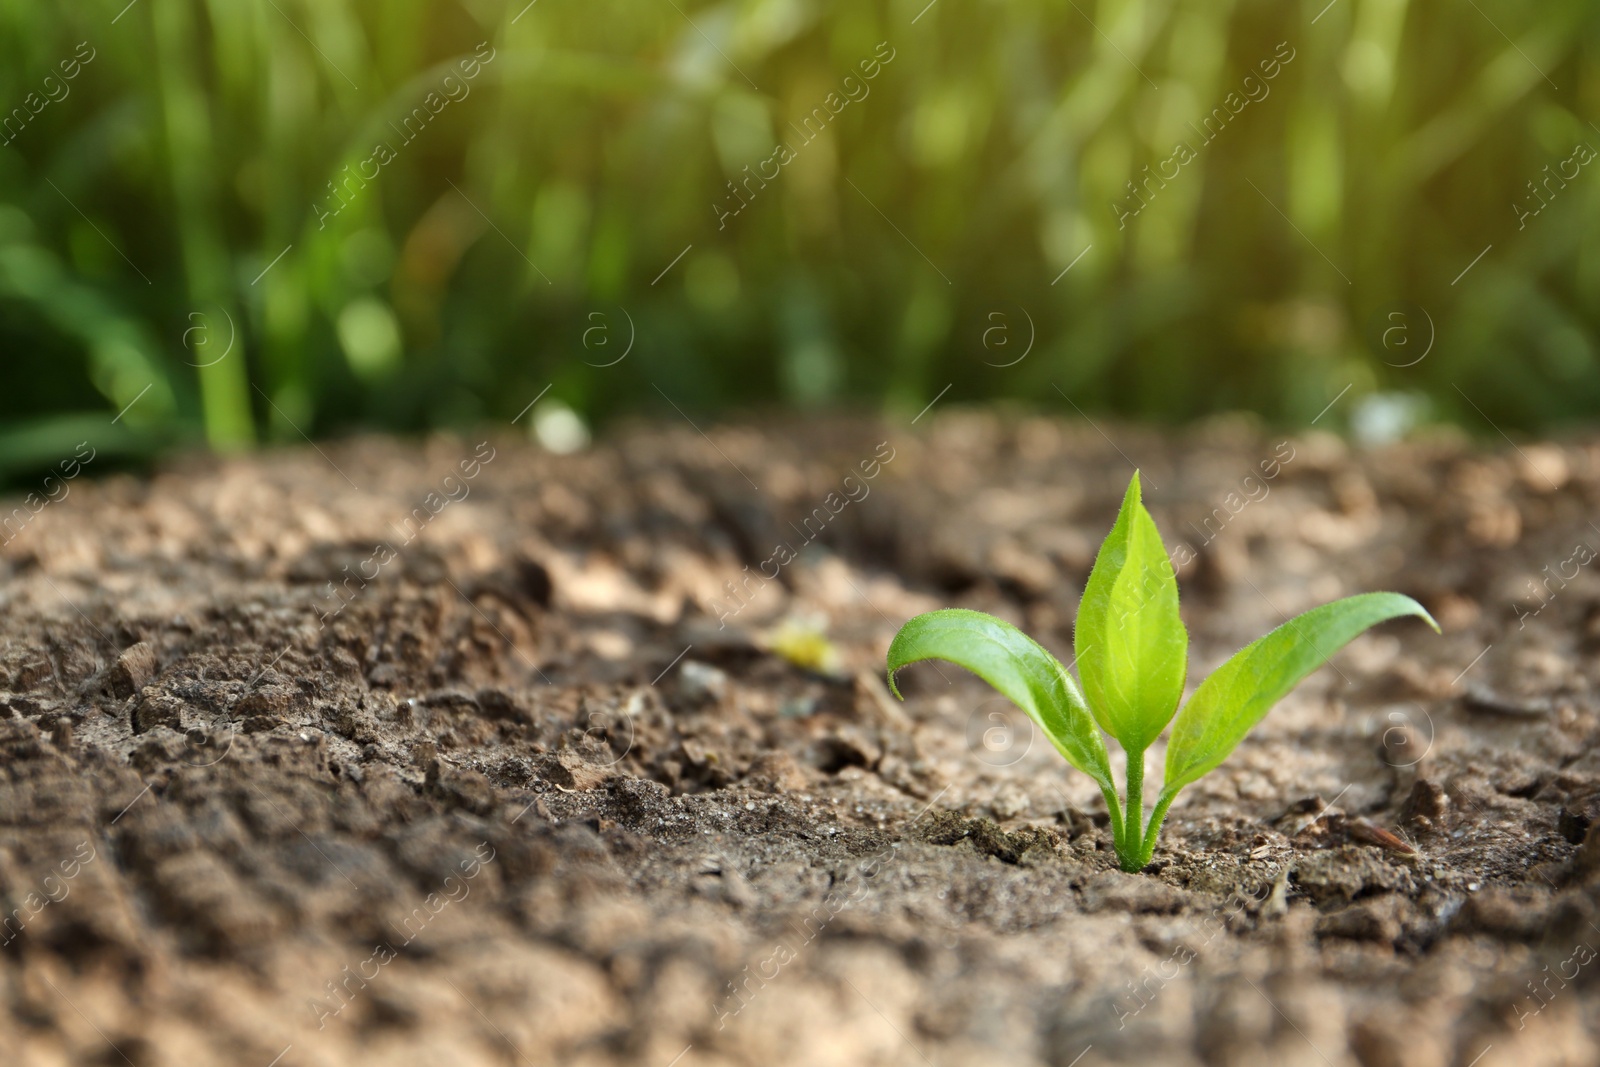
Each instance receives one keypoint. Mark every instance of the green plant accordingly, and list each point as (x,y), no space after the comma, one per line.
(1131,651)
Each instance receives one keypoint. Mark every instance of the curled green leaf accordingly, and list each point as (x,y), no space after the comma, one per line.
(1017,666)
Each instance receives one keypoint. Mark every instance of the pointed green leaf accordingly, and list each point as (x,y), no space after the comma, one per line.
(1019,668)
(1241,692)
(1131,644)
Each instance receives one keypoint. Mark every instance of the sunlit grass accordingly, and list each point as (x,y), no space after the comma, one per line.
(185,171)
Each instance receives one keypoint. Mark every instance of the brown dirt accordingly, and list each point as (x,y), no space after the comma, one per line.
(523,801)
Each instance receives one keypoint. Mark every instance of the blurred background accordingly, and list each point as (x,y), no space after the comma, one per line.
(243,221)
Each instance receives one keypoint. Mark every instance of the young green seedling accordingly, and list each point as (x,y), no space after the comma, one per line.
(1132,656)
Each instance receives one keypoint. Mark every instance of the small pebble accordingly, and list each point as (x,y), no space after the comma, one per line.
(701,681)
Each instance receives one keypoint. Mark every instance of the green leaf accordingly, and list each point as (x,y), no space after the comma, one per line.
(1019,668)
(1241,692)
(1131,644)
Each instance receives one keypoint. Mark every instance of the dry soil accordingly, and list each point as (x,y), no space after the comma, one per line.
(300,765)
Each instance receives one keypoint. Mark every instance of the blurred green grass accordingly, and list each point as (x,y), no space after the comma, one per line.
(919,241)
